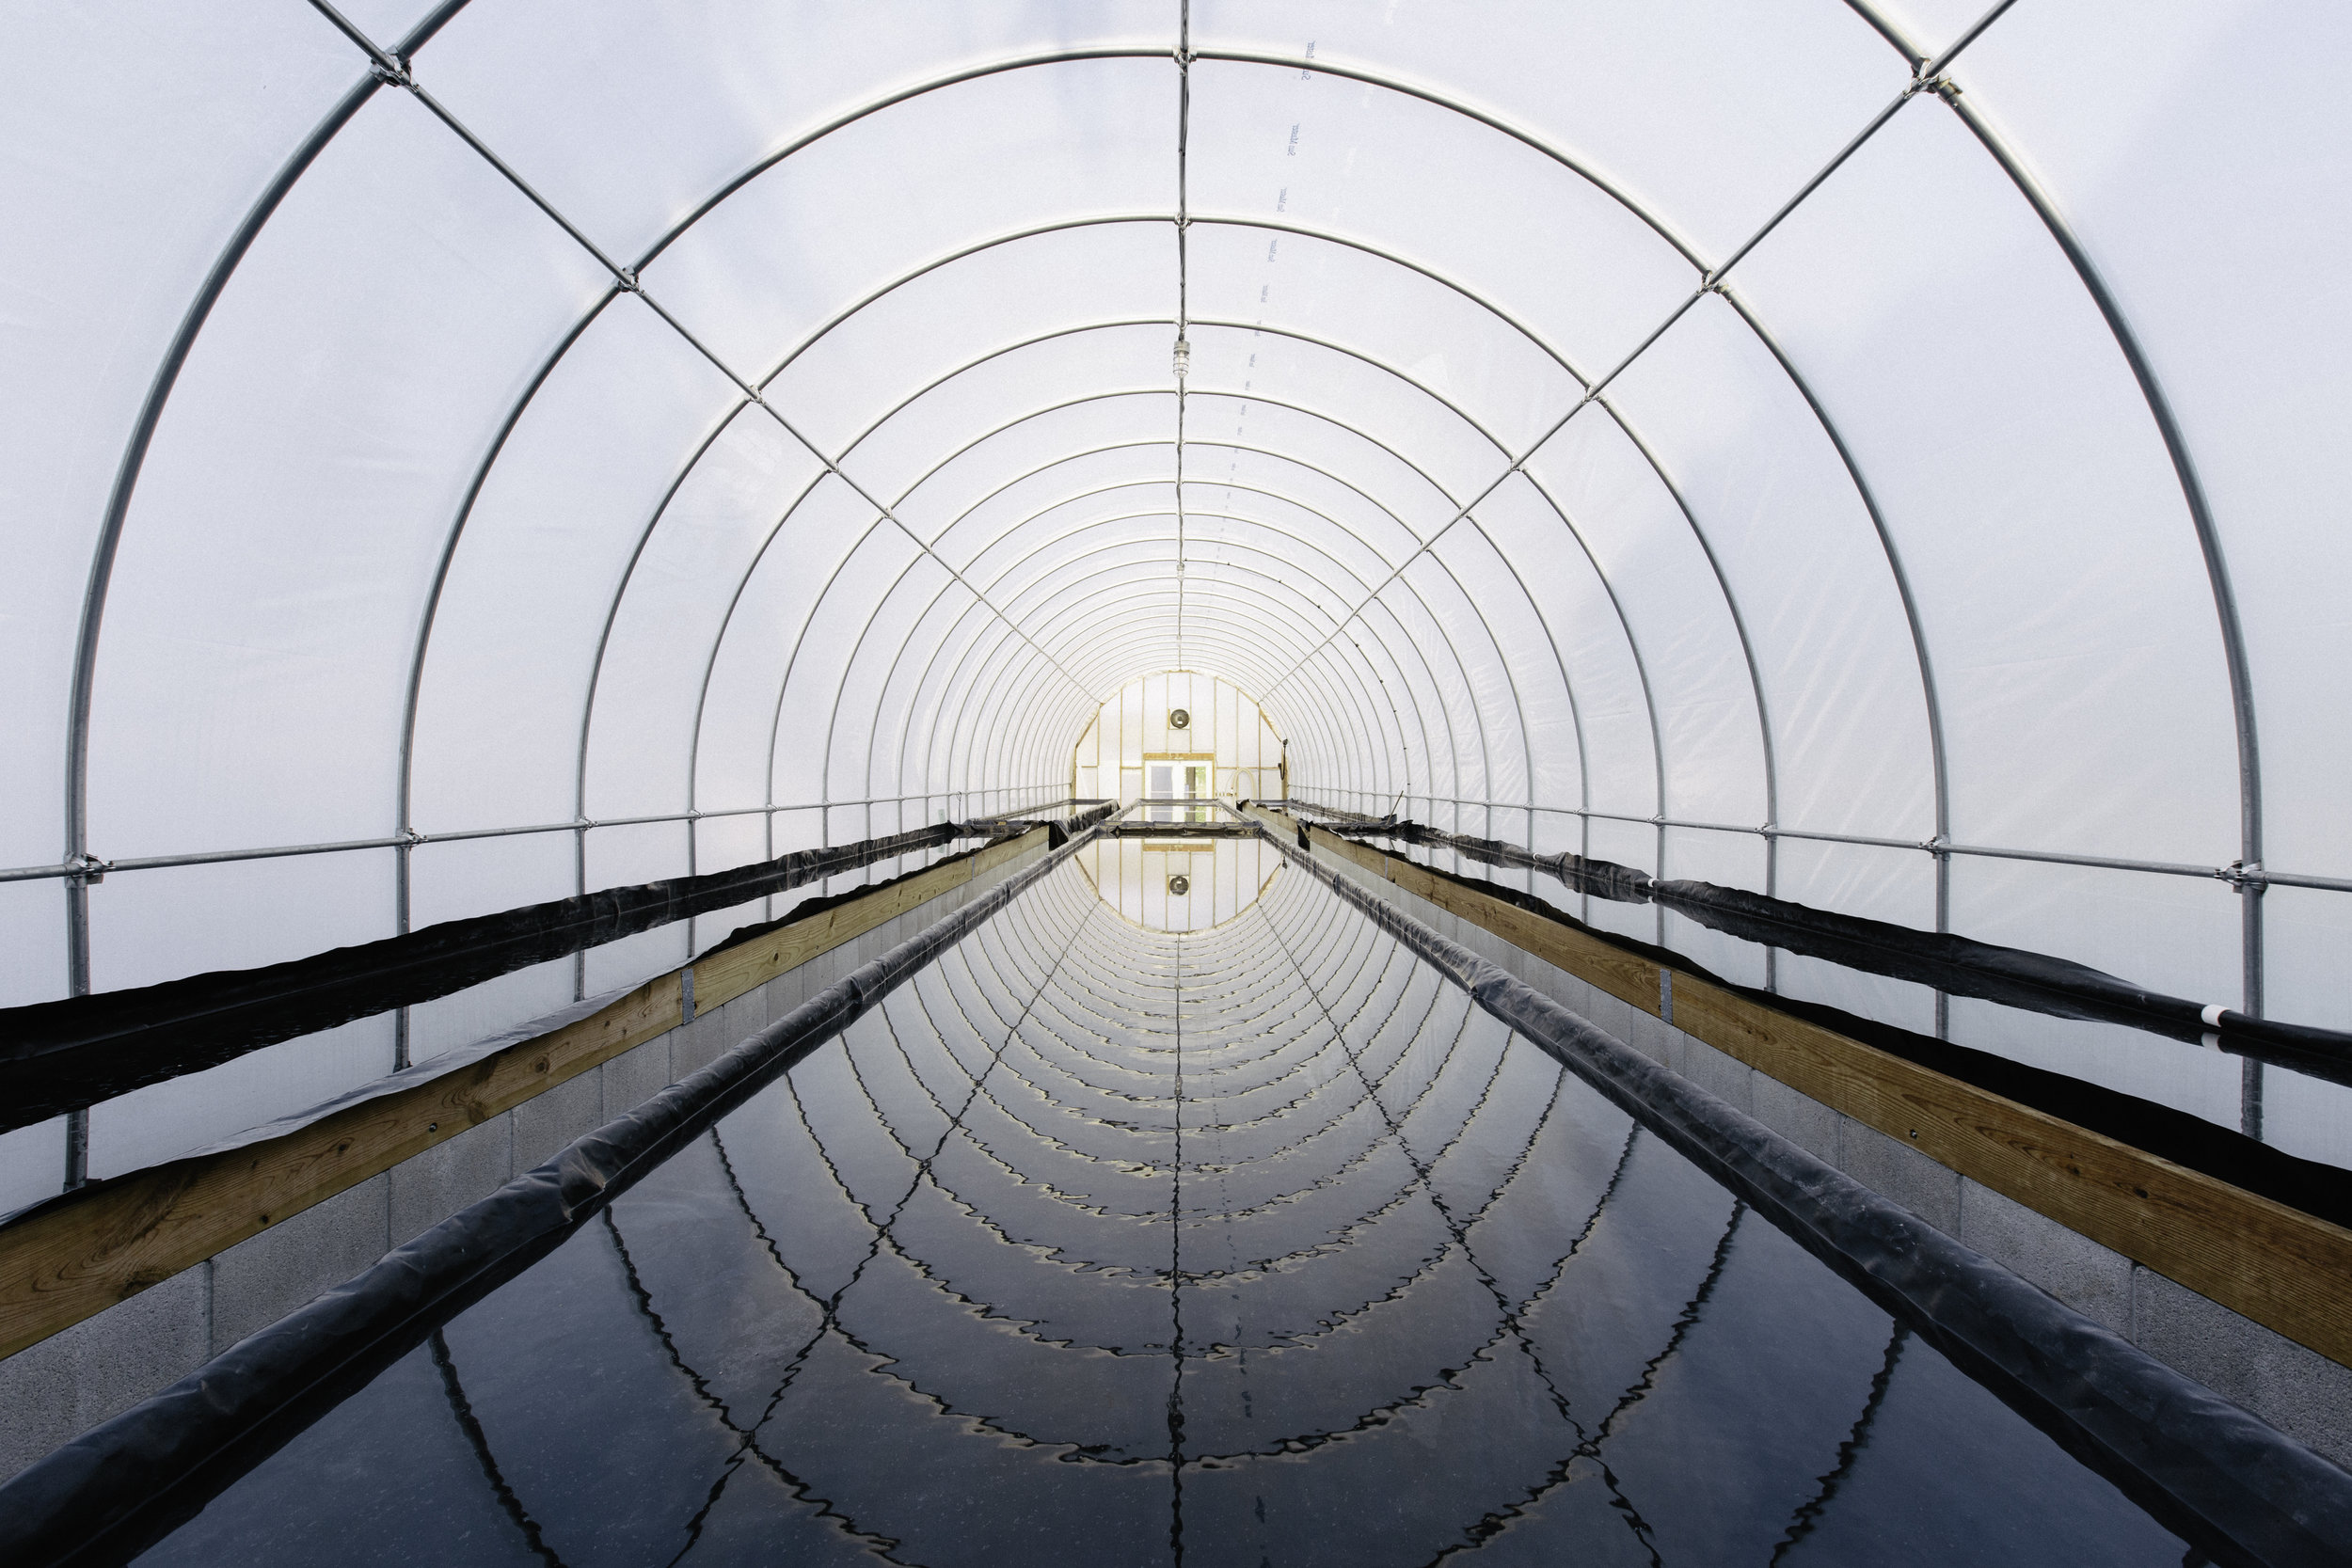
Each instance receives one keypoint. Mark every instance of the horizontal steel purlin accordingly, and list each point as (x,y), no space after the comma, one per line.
(2237,876)
(92,867)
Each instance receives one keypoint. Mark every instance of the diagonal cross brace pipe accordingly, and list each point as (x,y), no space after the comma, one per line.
(395,73)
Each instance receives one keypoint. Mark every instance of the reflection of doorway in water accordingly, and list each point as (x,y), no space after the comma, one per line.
(1179,884)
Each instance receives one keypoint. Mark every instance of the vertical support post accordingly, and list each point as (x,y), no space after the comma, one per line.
(76,933)
(399,927)
(76,1148)
(1657,908)
(579,886)
(1943,925)
(1530,833)
(2249,1091)
(1584,850)
(77,984)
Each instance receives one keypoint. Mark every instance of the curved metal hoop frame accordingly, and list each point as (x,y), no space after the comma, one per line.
(1020,676)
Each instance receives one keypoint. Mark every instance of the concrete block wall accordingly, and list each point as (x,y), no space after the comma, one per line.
(52,1392)
(2295,1388)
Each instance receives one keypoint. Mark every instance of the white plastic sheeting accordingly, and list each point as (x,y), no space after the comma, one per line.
(1222,734)
(1698,434)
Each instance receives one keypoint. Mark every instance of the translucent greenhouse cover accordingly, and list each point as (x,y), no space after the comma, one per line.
(1881,454)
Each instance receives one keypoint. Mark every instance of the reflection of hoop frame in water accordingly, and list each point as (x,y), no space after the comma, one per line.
(1683,1325)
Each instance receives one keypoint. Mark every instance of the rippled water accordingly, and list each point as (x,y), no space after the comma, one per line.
(1097,1245)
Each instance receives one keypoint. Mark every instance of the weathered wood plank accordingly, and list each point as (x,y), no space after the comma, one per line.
(723,976)
(115,1239)
(1624,975)
(2289,1271)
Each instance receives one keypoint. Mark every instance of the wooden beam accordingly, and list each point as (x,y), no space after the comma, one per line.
(111,1240)
(2288,1271)
(723,976)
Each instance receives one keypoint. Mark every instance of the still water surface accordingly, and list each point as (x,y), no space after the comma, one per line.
(1260,1246)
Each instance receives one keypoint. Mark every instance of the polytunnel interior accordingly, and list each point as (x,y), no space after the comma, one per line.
(1835,504)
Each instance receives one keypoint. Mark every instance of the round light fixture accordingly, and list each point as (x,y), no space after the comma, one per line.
(1178,885)
(1178,718)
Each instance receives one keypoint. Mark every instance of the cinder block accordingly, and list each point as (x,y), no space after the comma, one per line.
(263,1278)
(1518,961)
(635,1076)
(430,1187)
(2295,1388)
(1799,1117)
(2085,1275)
(40,1386)
(713,1033)
(694,1045)
(1617,1019)
(1444,922)
(1557,984)
(1652,1037)
(816,976)
(785,992)
(56,1390)
(1896,1170)
(740,1020)
(546,1122)
(1495,950)
(1578,996)
(1727,1078)
(1575,998)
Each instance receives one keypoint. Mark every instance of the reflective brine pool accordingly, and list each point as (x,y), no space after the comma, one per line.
(1093,1244)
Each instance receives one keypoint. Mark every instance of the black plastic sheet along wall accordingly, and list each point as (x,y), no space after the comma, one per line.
(58,1056)
(2035,982)
(1272,1245)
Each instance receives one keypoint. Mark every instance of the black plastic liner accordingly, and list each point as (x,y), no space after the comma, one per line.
(60,1056)
(2185,1139)
(1057,834)
(1074,805)
(1334,813)
(2239,1490)
(118,1489)
(2034,982)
